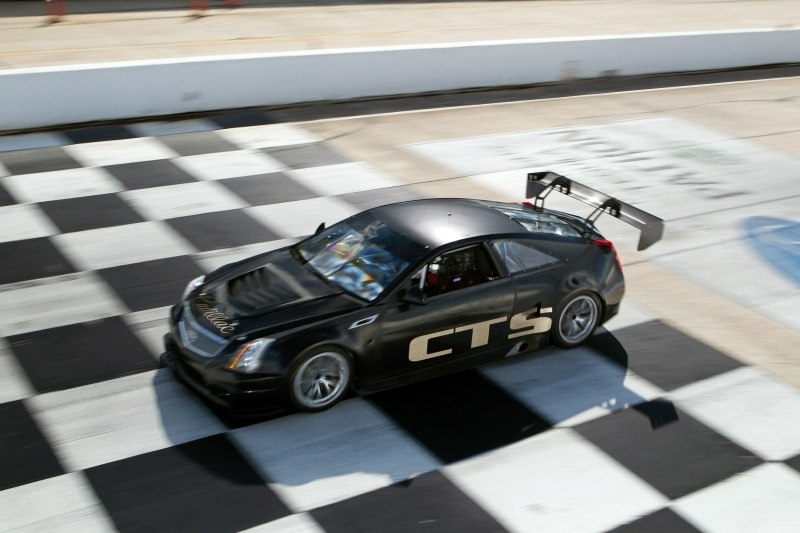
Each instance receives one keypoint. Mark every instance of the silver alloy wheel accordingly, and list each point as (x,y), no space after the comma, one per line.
(578,319)
(321,380)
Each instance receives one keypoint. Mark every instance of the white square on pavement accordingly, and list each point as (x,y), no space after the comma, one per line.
(116,419)
(294,523)
(268,136)
(62,503)
(764,499)
(14,384)
(569,387)
(159,203)
(555,481)
(57,301)
(300,218)
(61,184)
(749,407)
(105,153)
(330,180)
(222,165)
(122,245)
(313,460)
(24,221)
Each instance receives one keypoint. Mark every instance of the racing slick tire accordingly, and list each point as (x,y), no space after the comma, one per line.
(320,378)
(576,318)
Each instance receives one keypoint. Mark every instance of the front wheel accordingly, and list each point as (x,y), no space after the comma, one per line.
(320,380)
(576,320)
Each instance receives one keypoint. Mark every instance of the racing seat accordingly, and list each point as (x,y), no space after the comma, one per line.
(458,270)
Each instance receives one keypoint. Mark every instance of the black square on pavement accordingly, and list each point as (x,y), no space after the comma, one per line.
(264,189)
(89,134)
(794,462)
(306,155)
(223,229)
(459,415)
(429,502)
(25,455)
(204,485)
(152,283)
(90,212)
(37,160)
(663,355)
(5,197)
(197,143)
(662,521)
(80,354)
(146,174)
(677,457)
(31,259)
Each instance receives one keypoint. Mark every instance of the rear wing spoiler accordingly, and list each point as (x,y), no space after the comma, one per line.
(540,184)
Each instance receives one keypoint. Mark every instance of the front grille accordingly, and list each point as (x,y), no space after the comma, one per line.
(197,338)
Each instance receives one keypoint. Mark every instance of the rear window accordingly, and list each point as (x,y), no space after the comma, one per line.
(536,221)
(521,255)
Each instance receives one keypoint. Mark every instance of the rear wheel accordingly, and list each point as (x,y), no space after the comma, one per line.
(576,320)
(320,380)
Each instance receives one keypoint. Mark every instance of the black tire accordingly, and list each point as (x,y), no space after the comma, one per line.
(575,319)
(320,379)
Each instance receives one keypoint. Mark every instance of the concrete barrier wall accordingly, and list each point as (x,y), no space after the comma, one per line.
(43,97)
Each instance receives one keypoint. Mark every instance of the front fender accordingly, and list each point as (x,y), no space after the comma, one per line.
(356,334)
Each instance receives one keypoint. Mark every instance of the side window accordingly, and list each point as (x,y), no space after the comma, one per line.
(458,269)
(522,255)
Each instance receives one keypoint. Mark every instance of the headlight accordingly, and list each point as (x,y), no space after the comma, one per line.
(249,356)
(192,285)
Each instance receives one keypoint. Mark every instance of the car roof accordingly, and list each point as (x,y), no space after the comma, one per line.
(435,222)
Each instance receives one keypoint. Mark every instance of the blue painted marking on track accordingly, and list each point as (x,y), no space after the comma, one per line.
(777,241)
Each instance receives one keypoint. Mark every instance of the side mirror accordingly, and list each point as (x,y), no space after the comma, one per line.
(413,295)
(320,228)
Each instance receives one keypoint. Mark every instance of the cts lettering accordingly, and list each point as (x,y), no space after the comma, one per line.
(520,324)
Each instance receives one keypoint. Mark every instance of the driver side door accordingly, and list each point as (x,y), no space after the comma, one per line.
(467,304)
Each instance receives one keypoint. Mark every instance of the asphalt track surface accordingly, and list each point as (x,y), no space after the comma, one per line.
(681,417)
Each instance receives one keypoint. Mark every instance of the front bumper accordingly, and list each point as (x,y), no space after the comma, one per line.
(239,394)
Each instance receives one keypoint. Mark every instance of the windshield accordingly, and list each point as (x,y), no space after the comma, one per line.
(362,255)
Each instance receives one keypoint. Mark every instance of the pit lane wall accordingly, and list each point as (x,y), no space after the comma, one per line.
(42,97)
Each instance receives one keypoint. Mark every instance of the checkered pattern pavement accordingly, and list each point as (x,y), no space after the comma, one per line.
(644,429)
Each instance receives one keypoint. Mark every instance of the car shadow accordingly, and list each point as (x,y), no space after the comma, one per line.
(392,436)
(659,411)
(569,386)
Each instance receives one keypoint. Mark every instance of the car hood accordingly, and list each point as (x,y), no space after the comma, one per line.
(267,292)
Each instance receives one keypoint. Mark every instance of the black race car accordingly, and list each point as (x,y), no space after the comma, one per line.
(400,293)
